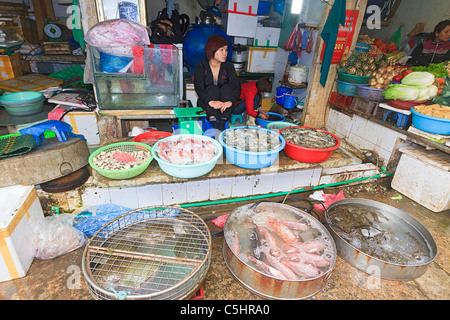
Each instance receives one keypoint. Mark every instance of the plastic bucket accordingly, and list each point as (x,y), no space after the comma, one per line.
(272,117)
(281,91)
(290,101)
(264,8)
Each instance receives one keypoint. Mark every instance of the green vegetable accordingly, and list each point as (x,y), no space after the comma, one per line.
(401,91)
(433,91)
(436,69)
(424,94)
(419,79)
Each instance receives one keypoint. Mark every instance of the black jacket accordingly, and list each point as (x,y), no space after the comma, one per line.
(203,78)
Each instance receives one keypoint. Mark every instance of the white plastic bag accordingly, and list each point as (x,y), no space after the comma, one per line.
(54,236)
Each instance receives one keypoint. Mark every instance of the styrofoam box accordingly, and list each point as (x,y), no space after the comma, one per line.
(84,123)
(239,25)
(240,6)
(261,59)
(20,209)
(266,37)
(424,176)
(191,94)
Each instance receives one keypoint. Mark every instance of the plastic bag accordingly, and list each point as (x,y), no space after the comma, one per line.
(117,37)
(55,236)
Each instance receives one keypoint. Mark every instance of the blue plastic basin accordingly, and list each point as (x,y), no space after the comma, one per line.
(272,117)
(430,124)
(187,170)
(250,159)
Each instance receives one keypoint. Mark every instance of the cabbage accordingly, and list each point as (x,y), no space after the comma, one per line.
(424,94)
(400,91)
(433,91)
(419,79)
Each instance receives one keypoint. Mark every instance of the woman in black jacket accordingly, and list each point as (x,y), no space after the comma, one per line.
(216,82)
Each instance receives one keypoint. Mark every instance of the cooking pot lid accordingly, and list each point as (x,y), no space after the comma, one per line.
(239,48)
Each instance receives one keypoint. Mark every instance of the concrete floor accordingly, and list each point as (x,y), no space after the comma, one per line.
(62,279)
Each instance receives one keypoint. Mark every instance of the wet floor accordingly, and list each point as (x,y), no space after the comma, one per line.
(62,279)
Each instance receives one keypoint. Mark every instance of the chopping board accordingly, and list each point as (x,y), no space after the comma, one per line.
(51,160)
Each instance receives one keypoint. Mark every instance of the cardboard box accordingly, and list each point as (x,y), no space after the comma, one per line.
(261,59)
(266,37)
(428,185)
(10,66)
(20,210)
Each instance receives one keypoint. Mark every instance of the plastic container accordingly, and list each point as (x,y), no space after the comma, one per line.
(370,94)
(339,100)
(281,91)
(290,101)
(151,137)
(346,88)
(364,47)
(125,147)
(430,124)
(250,159)
(397,118)
(403,104)
(278,125)
(188,171)
(353,79)
(309,155)
(23,103)
(272,117)
(264,8)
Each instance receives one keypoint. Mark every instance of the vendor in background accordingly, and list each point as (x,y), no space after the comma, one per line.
(434,50)
(251,93)
(216,82)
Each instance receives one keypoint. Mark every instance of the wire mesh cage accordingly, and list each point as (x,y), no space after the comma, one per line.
(160,253)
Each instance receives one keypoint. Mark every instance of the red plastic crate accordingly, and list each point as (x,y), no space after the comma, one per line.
(340,100)
(198,295)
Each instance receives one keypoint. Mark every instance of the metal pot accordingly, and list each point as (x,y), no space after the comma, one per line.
(246,272)
(239,67)
(404,231)
(240,54)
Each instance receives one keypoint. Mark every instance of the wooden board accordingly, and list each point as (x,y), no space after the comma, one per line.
(31,82)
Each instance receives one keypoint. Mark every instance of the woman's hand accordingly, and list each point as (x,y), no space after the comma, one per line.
(263,115)
(225,105)
(216,104)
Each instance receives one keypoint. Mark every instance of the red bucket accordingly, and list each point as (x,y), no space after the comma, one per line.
(151,137)
(309,155)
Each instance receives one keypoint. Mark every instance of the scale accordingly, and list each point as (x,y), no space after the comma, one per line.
(52,31)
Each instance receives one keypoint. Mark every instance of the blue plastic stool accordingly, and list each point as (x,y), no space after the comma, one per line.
(234,117)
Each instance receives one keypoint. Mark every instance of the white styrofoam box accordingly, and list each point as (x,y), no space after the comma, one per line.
(191,94)
(239,25)
(261,59)
(266,37)
(20,209)
(84,123)
(240,6)
(423,176)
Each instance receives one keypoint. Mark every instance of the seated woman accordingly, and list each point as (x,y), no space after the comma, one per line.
(251,93)
(434,50)
(216,82)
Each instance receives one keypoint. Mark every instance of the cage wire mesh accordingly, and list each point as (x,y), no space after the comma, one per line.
(148,253)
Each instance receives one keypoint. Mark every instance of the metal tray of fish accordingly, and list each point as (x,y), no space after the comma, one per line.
(379,239)
(149,253)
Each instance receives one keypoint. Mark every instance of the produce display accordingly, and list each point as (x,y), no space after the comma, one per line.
(383,77)
(308,137)
(186,150)
(252,139)
(359,64)
(415,86)
(120,160)
(434,110)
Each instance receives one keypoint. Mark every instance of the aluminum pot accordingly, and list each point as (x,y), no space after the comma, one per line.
(240,54)
(252,278)
(400,226)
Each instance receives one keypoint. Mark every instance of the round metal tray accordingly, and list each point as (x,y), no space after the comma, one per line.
(148,253)
(380,240)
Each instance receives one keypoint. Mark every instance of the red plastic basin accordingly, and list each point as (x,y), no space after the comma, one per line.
(151,137)
(309,155)
(404,104)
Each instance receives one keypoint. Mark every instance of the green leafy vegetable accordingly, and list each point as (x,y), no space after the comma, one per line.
(401,91)
(436,69)
(419,79)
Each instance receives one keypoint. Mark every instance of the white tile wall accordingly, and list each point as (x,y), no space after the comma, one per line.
(149,195)
(263,184)
(242,186)
(174,193)
(94,196)
(125,196)
(283,181)
(197,191)
(220,188)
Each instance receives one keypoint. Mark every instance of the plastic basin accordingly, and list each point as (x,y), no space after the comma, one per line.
(430,124)
(309,155)
(370,94)
(151,137)
(272,117)
(187,171)
(353,79)
(346,88)
(23,103)
(250,159)
(278,125)
(403,104)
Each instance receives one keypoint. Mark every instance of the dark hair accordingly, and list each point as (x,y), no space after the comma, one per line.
(214,43)
(264,85)
(440,26)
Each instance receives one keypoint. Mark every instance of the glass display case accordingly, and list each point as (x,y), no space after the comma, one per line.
(141,78)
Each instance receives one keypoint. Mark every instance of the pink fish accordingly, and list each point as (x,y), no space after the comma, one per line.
(123,156)
(317,260)
(277,264)
(264,267)
(314,246)
(269,242)
(296,225)
(302,269)
(284,232)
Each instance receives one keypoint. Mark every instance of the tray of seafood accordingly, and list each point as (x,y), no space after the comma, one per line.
(308,144)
